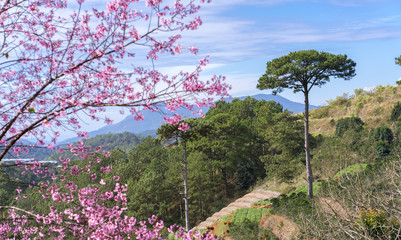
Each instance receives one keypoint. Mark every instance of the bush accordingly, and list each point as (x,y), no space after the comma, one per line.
(245,175)
(320,113)
(377,224)
(396,112)
(374,220)
(350,123)
(382,148)
(383,133)
(249,230)
(292,205)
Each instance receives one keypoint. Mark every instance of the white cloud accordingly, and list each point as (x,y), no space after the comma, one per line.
(235,39)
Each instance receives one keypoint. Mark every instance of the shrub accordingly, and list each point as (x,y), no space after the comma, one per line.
(382,148)
(320,113)
(292,205)
(374,220)
(245,175)
(350,123)
(383,133)
(332,122)
(396,112)
(358,91)
(249,230)
(359,107)
(340,101)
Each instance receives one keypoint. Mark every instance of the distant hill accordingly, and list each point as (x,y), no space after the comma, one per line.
(153,120)
(124,141)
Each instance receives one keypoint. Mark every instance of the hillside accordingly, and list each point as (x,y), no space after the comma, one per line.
(373,107)
(356,190)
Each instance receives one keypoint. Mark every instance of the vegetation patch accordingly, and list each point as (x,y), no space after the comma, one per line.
(260,203)
(353,169)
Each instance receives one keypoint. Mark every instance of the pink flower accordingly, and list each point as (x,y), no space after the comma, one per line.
(183,126)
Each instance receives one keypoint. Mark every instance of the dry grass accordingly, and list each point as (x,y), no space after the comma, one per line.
(374,108)
(282,227)
(283,187)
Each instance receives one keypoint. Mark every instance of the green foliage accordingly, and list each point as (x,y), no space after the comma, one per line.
(251,214)
(350,123)
(374,220)
(7,188)
(383,133)
(264,202)
(249,230)
(304,188)
(398,60)
(245,175)
(358,107)
(234,143)
(124,141)
(382,148)
(340,101)
(284,155)
(292,205)
(298,69)
(320,113)
(353,169)
(358,91)
(396,112)
(332,122)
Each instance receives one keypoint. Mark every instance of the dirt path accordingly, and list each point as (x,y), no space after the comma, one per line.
(245,202)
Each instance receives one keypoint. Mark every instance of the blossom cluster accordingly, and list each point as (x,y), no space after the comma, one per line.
(94,211)
(54,67)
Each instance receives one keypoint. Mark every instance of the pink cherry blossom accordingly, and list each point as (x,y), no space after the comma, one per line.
(60,62)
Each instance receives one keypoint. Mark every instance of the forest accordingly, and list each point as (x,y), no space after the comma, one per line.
(245,144)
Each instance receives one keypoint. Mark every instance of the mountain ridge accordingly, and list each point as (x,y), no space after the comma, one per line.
(153,120)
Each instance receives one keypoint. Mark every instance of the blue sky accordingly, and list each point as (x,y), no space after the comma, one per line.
(242,35)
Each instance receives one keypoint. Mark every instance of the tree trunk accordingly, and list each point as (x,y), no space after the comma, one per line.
(187,227)
(223,172)
(307,155)
(200,208)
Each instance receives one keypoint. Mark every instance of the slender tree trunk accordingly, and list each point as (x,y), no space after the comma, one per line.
(223,172)
(200,208)
(307,155)
(187,227)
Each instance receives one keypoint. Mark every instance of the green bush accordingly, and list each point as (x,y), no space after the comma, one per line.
(249,230)
(383,133)
(382,148)
(319,113)
(396,112)
(245,175)
(359,107)
(263,202)
(374,220)
(352,170)
(358,91)
(350,123)
(292,205)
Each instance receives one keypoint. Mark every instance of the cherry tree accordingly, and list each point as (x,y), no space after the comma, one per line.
(59,60)
(54,66)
